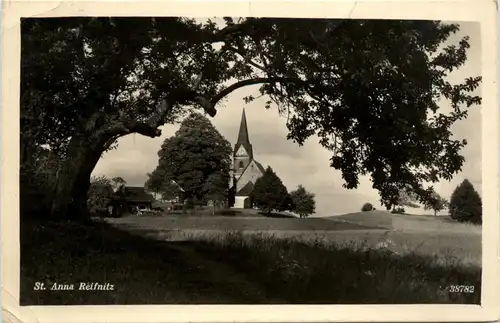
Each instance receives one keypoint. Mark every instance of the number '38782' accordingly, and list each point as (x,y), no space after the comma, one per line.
(461,289)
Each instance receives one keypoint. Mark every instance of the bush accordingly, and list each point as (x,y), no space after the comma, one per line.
(367,207)
(466,204)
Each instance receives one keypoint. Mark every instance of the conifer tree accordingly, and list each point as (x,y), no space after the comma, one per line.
(269,193)
(466,204)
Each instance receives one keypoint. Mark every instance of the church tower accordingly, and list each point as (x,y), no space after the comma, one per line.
(243,152)
(246,170)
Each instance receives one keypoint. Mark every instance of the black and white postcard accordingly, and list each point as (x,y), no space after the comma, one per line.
(328,161)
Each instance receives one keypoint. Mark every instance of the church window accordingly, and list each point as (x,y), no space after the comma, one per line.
(241,164)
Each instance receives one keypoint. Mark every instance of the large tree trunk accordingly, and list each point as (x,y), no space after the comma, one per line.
(69,196)
(69,199)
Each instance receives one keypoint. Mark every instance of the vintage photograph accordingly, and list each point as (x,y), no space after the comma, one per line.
(250,160)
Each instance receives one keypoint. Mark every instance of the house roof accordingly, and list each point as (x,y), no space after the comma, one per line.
(137,194)
(245,190)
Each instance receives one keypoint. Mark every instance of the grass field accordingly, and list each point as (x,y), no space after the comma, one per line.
(370,258)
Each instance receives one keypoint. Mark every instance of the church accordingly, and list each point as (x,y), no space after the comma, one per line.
(246,170)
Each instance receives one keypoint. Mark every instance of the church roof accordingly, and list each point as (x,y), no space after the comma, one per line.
(243,138)
(261,168)
(245,190)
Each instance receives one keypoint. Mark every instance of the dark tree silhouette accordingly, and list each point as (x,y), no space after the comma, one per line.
(269,194)
(466,204)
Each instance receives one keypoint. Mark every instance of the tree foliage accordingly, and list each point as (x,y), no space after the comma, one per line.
(303,202)
(197,153)
(37,176)
(99,195)
(171,191)
(154,182)
(466,204)
(216,188)
(269,194)
(437,203)
(162,185)
(117,182)
(87,81)
(407,198)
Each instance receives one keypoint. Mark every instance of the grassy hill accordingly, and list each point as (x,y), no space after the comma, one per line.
(439,237)
(371,219)
(408,222)
(250,259)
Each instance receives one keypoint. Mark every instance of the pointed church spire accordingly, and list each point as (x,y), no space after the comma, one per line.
(243,139)
(243,134)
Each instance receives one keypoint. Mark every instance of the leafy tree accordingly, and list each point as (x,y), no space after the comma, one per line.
(407,198)
(155,182)
(465,204)
(216,188)
(116,182)
(437,203)
(160,184)
(303,202)
(269,193)
(87,81)
(192,155)
(367,207)
(99,194)
(170,191)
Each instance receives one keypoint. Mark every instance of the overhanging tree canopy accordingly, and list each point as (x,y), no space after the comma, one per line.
(87,81)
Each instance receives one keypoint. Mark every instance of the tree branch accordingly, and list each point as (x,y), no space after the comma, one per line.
(240,52)
(150,127)
(229,30)
(147,128)
(253,81)
(199,78)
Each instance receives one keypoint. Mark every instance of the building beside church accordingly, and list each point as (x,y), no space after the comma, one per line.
(246,170)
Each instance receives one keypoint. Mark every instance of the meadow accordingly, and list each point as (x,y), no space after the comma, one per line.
(368,258)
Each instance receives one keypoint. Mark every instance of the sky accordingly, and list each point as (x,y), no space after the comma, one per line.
(307,165)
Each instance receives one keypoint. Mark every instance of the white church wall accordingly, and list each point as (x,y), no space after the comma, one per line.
(252,173)
(239,202)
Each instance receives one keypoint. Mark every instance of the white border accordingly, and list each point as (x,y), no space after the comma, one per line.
(484,11)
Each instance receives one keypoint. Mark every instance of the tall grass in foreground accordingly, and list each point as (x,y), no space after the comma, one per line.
(321,271)
(228,268)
